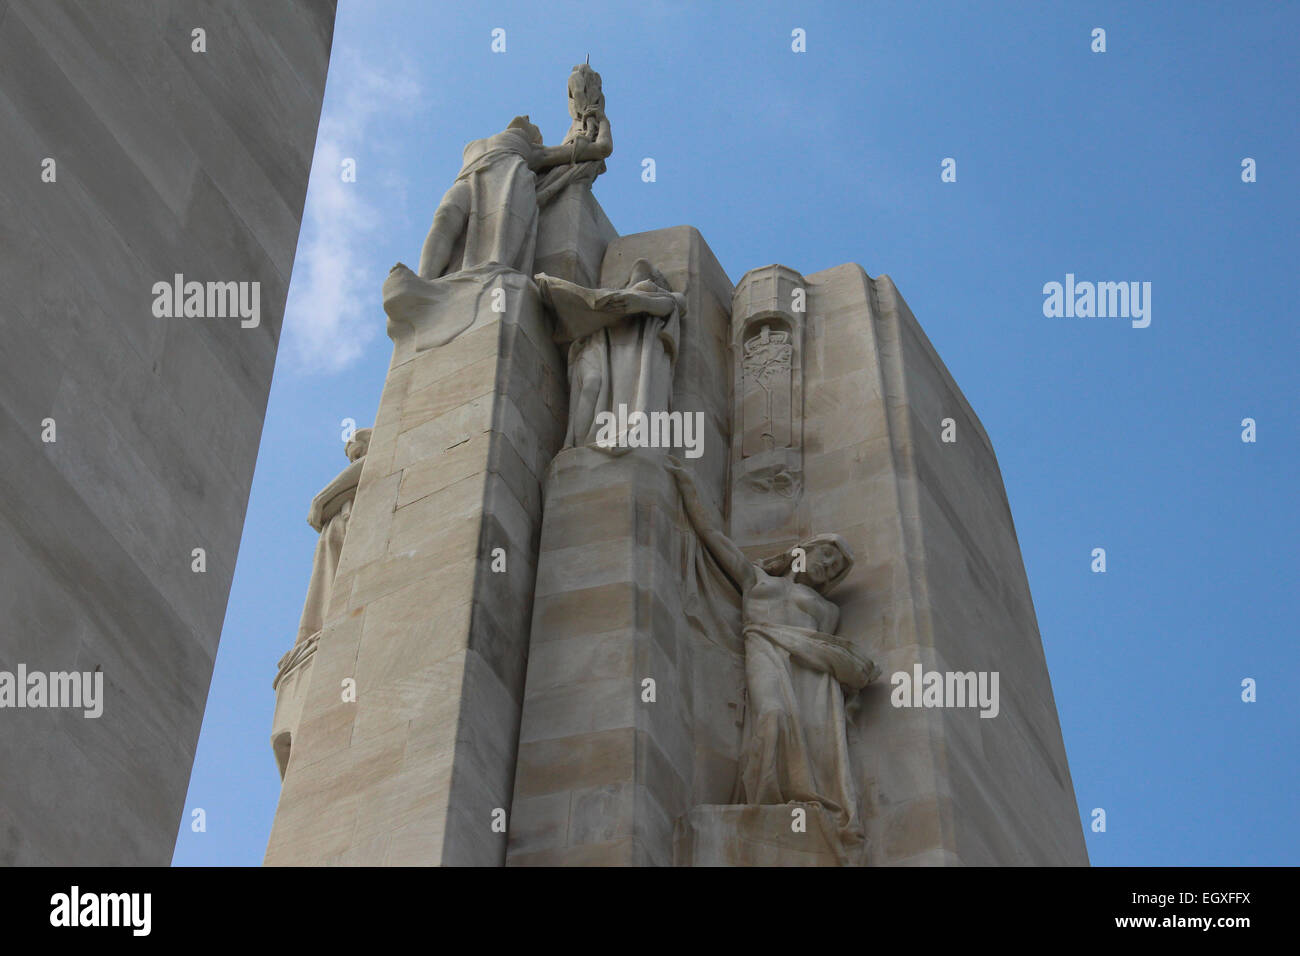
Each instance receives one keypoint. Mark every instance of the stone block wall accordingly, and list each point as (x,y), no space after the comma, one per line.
(166,162)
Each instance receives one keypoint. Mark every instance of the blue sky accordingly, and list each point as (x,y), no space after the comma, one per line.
(1122,166)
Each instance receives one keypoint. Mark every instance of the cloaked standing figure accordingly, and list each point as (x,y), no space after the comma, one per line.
(329,515)
(797,670)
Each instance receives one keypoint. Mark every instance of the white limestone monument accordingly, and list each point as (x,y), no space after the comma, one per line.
(547,626)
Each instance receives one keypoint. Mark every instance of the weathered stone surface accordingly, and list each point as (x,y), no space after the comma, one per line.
(433,637)
(571,705)
(731,835)
(563,737)
(166,162)
(572,234)
(602,773)
(490,214)
(769,313)
(940,582)
(639,669)
(441,574)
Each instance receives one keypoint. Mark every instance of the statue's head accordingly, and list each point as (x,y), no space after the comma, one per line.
(585,94)
(644,269)
(359,445)
(827,561)
(525,125)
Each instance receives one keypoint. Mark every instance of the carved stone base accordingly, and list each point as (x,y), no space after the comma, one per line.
(759,836)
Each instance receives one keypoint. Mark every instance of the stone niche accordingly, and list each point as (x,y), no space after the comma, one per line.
(767,340)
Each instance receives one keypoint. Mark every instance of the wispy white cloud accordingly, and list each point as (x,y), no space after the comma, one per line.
(334,293)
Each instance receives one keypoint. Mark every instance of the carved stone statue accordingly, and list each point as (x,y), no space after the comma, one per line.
(487,221)
(329,515)
(797,669)
(622,345)
(589,136)
(493,203)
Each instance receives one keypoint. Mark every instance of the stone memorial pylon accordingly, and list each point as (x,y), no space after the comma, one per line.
(402,745)
(641,567)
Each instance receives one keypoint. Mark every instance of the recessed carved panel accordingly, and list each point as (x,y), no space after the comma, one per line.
(768,320)
(766,383)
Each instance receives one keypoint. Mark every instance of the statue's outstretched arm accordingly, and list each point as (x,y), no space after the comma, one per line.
(544,157)
(599,308)
(708,525)
(651,303)
(579,150)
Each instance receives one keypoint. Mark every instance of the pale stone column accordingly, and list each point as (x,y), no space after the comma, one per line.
(751,835)
(414,770)
(603,774)
(410,772)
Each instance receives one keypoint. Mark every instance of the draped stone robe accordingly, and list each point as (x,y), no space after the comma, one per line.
(335,510)
(796,745)
(499,191)
(496,190)
(622,348)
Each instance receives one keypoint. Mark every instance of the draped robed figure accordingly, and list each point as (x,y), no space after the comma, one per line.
(798,671)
